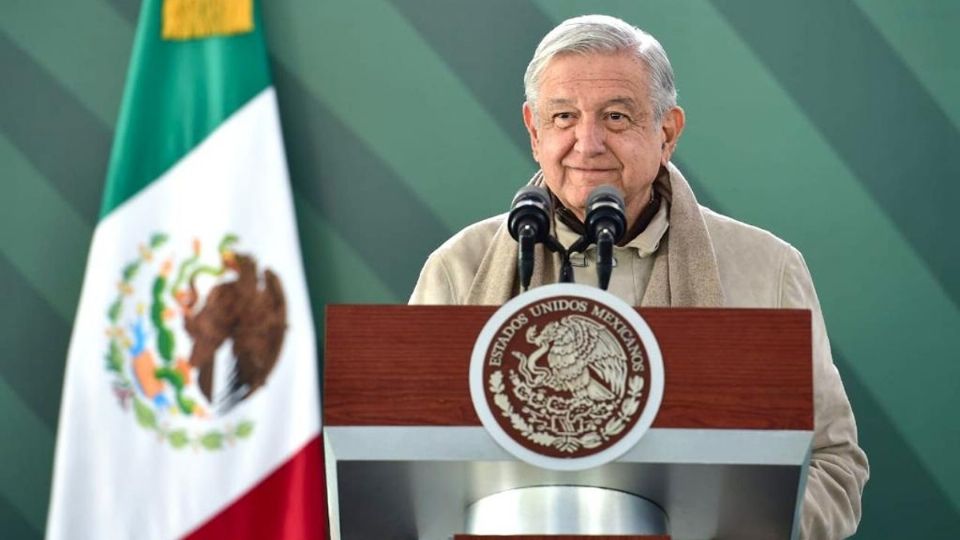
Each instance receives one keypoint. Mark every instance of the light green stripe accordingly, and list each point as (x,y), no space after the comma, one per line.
(25,458)
(342,275)
(924,34)
(177,93)
(80,43)
(409,108)
(784,176)
(34,217)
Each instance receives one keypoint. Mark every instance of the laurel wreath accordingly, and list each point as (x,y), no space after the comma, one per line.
(213,439)
(568,444)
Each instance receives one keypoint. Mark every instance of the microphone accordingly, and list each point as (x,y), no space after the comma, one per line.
(529,224)
(606,224)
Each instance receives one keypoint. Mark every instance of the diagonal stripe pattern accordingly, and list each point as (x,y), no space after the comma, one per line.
(437,143)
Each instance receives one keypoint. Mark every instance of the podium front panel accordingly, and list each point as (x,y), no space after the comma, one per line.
(726,456)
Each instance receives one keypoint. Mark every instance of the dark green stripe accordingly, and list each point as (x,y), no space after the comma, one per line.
(902,494)
(869,105)
(59,136)
(14,525)
(313,254)
(26,456)
(487,45)
(31,330)
(340,279)
(128,9)
(177,93)
(354,190)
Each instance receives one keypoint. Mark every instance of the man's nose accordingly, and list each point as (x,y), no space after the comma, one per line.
(590,137)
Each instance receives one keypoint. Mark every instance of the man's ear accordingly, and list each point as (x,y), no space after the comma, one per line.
(672,127)
(530,121)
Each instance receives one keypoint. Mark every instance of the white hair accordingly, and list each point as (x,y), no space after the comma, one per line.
(591,34)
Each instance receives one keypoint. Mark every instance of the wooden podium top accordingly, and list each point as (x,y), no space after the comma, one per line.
(725,368)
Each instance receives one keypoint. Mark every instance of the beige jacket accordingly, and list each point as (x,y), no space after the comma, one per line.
(756,269)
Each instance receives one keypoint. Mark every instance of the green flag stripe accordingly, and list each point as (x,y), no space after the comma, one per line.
(61,138)
(177,93)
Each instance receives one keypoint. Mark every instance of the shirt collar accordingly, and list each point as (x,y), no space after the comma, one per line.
(644,243)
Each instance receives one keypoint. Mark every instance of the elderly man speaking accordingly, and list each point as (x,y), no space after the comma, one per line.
(601,109)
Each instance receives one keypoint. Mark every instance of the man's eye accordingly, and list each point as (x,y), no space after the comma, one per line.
(617,121)
(563,119)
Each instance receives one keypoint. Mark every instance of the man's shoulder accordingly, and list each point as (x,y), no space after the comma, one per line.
(472,241)
(753,262)
(460,256)
(727,232)
(451,268)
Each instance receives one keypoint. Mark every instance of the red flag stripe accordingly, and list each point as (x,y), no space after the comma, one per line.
(289,504)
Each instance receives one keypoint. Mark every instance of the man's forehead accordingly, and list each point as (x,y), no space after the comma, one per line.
(570,72)
(624,101)
(617,65)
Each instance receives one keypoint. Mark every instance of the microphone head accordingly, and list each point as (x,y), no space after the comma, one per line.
(530,208)
(605,210)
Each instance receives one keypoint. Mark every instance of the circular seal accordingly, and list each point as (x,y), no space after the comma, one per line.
(566,377)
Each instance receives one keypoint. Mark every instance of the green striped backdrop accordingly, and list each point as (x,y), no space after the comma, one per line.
(834,124)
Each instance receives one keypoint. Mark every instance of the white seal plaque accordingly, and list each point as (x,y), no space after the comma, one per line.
(566,377)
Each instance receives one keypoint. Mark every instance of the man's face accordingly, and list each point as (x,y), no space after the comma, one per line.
(594,125)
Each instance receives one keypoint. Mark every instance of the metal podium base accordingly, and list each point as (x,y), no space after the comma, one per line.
(565,510)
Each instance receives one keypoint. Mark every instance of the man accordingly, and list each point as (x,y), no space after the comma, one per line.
(601,110)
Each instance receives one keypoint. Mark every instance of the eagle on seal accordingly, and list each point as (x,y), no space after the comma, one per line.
(251,312)
(583,358)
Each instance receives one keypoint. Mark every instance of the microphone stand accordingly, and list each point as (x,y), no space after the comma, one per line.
(527,239)
(604,257)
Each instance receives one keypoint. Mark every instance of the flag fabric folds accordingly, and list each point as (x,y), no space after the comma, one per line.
(190,402)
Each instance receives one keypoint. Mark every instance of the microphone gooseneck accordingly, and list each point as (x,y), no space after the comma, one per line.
(605,225)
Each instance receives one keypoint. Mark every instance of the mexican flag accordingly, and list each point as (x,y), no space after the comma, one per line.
(190,403)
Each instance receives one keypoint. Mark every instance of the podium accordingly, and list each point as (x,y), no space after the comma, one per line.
(407,456)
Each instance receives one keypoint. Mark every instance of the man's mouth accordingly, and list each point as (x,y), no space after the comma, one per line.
(592,173)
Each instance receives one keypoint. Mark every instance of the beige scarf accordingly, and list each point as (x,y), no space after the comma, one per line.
(685,272)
